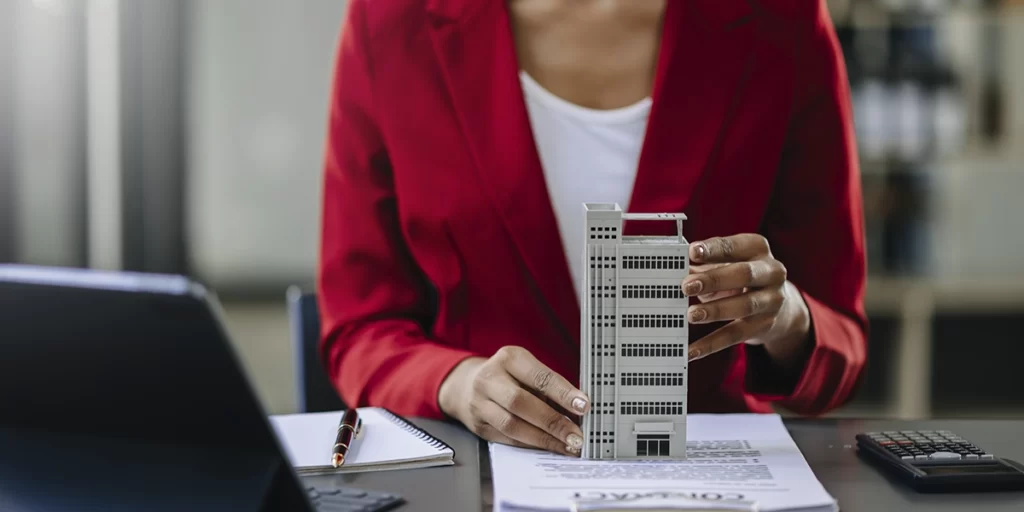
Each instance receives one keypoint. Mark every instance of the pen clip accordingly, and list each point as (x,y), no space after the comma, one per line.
(359,427)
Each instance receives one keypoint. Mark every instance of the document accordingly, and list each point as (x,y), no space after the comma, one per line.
(734,462)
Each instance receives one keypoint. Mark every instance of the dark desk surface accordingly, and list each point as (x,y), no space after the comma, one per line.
(828,445)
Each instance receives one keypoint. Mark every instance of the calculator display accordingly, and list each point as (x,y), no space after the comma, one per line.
(967,469)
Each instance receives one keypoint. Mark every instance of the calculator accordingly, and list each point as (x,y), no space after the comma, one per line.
(940,461)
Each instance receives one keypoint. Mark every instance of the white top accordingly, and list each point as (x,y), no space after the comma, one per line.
(588,156)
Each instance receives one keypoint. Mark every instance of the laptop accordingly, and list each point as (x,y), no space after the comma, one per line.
(122,391)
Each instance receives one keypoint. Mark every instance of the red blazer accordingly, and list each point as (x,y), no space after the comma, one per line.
(439,240)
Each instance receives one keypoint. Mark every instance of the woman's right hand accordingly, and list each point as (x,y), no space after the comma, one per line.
(512,398)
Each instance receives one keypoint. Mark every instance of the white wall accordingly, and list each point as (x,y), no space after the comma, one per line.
(48,137)
(259,74)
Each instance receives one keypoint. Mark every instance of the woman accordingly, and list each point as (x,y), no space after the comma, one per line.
(464,136)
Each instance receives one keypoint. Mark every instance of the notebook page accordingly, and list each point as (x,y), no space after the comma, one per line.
(309,438)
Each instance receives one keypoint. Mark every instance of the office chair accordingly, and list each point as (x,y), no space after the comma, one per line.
(314,390)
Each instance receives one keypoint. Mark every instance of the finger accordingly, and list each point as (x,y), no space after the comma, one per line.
(509,395)
(756,302)
(533,375)
(515,428)
(697,269)
(736,276)
(734,333)
(720,295)
(486,431)
(744,247)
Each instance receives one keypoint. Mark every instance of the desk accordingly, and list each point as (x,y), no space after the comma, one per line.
(828,445)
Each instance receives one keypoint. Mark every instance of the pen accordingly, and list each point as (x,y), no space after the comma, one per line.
(348,429)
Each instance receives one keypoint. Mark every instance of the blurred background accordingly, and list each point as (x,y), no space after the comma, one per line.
(186,136)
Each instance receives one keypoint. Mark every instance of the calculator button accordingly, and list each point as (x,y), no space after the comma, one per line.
(907,457)
(988,456)
(970,456)
(944,456)
(921,457)
(890,432)
(887,443)
(873,434)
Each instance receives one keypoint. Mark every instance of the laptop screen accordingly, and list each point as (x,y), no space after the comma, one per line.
(132,359)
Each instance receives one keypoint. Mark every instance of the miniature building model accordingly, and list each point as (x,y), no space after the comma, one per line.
(633,359)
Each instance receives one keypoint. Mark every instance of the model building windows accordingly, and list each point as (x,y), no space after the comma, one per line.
(652,445)
(603,233)
(652,350)
(652,379)
(606,292)
(602,321)
(653,321)
(602,437)
(652,291)
(654,262)
(602,262)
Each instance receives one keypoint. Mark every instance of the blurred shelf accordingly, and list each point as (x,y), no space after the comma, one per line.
(923,325)
(889,295)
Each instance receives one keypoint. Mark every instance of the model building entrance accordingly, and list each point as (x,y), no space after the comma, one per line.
(652,445)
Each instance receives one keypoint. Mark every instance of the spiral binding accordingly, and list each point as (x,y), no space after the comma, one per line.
(416,431)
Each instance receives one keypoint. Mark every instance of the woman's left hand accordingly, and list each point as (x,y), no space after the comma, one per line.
(738,280)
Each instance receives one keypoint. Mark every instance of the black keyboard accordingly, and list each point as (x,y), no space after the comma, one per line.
(349,499)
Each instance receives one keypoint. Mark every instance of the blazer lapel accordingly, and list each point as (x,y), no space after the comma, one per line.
(705,60)
(704,57)
(475,48)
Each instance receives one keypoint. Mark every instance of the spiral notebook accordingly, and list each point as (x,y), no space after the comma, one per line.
(387,442)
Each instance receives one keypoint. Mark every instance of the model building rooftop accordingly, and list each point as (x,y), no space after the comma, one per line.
(604,217)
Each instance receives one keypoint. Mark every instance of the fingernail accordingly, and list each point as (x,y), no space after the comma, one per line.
(575,441)
(693,288)
(570,449)
(695,353)
(580,405)
(698,315)
(702,251)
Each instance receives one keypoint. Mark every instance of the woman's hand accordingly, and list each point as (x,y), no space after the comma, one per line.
(737,279)
(512,398)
